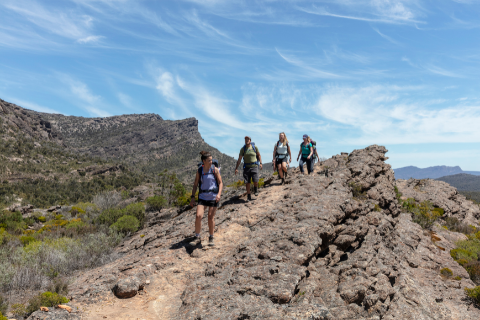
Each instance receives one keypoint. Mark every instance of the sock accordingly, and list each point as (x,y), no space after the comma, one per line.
(197,235)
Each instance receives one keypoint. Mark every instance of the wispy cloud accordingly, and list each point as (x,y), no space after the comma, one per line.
(386,37)
(32,106)
(90,39)
(308,70)
(443,72)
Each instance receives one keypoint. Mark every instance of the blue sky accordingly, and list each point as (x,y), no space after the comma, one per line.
(351,73)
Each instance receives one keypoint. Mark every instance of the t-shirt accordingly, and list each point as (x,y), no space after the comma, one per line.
(306,150)
(249,156)
(282,150)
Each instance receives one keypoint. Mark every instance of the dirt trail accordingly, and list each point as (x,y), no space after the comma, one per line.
(161,299)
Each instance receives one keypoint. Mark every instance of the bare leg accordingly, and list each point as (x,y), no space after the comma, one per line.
(198,219)
(284,166)
(255,184)
(248,188)
(280,171)
(211,221)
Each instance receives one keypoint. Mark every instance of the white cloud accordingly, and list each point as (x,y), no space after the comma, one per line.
(386,37)
(90,39)
(308,69)
(443,72)
(32,106)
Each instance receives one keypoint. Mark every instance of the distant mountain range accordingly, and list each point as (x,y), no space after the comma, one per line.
(430,172)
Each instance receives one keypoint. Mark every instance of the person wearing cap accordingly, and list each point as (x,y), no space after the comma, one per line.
(306,152)
(251,161)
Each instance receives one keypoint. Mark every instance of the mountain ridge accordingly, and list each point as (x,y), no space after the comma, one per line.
(430,172)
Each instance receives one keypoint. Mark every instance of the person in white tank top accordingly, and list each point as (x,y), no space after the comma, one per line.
(282,156)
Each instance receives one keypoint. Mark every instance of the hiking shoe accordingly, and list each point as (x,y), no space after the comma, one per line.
(256,191)
(249,197)
(210,241)
(196,242)
(283,181)
(285,175)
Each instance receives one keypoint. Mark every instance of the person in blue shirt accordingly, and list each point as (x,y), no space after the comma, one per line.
(210,186)
(306,151)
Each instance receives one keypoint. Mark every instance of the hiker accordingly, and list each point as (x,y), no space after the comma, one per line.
(210,187)
(251,161)
(315,153)
(282,156)
(306,151)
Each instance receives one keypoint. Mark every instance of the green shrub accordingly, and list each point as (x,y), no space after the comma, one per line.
(473,294)
(425,215)
(275,173)
(12,221)
(357,190)
(111,216)
(75,224)
(446,272)
(156,203)
(42,219)
(2,317)
(398,194)
(3,236)
(126,224)
(3,305)
(237,184)
(19,310)
(46,299)
(471,245)
(25,240)
(458,278)
(59,217)
(462,254)
(473,269)
(455,225)
(377,208)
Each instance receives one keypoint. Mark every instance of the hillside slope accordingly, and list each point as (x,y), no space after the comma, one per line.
(463,181)
(37,168)
(333,245)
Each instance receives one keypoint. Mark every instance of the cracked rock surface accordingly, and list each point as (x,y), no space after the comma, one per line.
(305,250)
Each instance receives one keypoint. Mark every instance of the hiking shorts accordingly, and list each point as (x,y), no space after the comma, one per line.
(250,174)
(207,203)
(279,161)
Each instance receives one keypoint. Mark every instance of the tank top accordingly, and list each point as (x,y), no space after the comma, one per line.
(208,183)
(306,150)
(282,150)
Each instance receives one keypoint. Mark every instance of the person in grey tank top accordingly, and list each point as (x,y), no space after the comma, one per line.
(210,184)
(282,156)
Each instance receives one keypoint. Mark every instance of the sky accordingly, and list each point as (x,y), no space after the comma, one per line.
(349,73)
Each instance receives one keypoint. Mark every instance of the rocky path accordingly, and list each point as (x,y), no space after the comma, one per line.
(311,249)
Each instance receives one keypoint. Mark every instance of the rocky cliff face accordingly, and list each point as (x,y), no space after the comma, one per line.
(18,120)
(306,250)
(145,141)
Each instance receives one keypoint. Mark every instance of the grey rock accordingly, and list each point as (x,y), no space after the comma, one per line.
(127,287)
(54,314)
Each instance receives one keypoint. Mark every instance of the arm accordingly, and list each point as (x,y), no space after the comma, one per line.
(274,152)
(194,190)
(311,152)
(238,163)
(259,157)
(289,153)
(220,184)
(299,153)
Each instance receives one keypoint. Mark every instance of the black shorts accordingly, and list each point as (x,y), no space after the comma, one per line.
(250,174)
(279,161)
(207,203)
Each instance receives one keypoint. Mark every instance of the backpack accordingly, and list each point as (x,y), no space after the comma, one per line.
(314,146)
(277,154)
(215,164)
(245,150)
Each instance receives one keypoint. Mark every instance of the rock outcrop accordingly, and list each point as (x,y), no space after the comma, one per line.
(441,195)
(306,250)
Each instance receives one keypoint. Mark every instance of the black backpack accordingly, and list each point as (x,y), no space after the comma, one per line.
(314,146)
(215,164)
(276,153)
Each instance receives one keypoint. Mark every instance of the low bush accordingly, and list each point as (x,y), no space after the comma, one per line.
(12,221)
(156,203)
(446,272)
(473,294)
(46,299)
(107,200)
(2,317)
(424,213)
(126,224)
(109,217)
(455,225)
(3,305)
(19,310)
(357,190)
(462,254)
(25,240)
